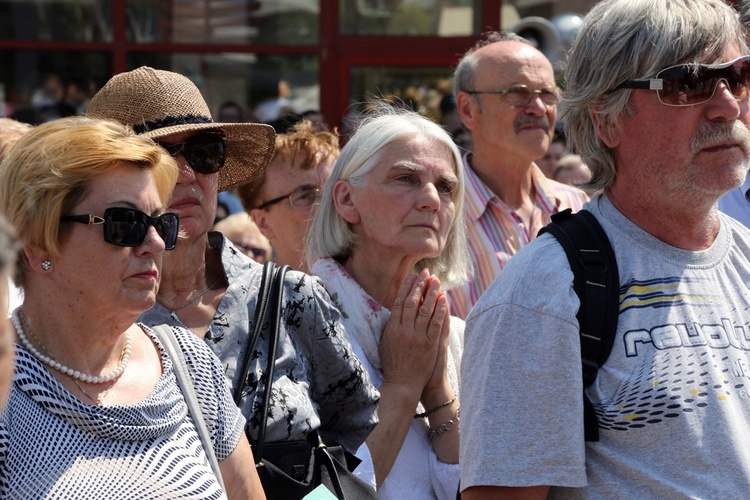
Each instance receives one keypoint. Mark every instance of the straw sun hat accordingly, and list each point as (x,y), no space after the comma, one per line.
(158,103)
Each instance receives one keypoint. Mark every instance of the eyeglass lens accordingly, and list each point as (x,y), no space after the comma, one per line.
(129,227)
(204,153)
(304,199)
(521,95)
(685,84)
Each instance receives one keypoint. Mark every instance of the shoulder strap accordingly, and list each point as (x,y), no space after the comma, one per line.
(261,304)
(596,282)
(174,351)
(275,305)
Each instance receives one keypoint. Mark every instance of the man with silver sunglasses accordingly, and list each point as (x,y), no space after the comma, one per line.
(507,99)
(656,104)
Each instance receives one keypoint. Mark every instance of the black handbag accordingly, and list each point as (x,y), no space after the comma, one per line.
(292,469)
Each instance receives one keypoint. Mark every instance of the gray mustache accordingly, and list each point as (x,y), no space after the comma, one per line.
(532,120)
(711,134)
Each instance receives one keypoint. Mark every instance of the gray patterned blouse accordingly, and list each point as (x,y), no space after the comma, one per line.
(318,382)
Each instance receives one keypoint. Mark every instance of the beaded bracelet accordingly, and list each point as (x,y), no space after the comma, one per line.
(445,427)
(433,410)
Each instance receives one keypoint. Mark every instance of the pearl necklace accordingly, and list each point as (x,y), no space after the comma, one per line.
(18,317)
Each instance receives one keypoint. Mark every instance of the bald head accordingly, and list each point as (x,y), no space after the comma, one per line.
(503,64)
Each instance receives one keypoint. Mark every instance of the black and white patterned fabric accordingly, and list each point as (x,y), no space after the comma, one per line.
(52,445)
(318,382)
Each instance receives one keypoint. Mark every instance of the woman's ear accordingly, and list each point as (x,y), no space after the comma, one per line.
(344,202)
(38,259)
(260,219)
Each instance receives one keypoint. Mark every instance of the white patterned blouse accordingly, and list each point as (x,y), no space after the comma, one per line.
(54,446)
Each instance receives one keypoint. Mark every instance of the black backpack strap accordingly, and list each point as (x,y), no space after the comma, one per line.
(596,282)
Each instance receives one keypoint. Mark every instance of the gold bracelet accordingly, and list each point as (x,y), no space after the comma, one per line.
(445,427)
(433,410)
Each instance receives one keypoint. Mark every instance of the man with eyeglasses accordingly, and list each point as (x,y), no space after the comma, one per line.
(281,201)
(656,103)
(507,99)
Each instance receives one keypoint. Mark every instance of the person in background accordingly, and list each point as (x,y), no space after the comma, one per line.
(10,131)
(8,249)
(227,203)
(572,171)
(657,105)
(95,402)
(555,152)
(507,98)
(281,201)
(389,230)
(242,231)
(230,112)
(317,118)
(736,202)
(211,287)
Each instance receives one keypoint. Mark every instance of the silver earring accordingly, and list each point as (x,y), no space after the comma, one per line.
(46,265)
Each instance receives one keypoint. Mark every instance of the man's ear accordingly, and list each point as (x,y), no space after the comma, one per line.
(260,217)
(607,129)
(467,108)
(345,206)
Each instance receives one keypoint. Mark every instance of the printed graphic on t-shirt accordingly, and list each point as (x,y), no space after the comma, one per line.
(680,367)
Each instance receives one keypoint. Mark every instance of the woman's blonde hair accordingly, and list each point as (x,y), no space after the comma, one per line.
(51,169)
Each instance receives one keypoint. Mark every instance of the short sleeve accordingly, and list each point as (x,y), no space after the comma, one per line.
(521,397)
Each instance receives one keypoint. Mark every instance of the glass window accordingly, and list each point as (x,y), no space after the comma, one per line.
(410,17)
(260,22)
(422,89)
(265,87)
(37,86)
(56,20)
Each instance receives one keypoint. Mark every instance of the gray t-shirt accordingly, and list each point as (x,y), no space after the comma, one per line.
(672,400)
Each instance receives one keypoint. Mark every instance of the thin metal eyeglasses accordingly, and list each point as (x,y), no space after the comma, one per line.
(128,227)
(521,95)
(304,198)
(691,84)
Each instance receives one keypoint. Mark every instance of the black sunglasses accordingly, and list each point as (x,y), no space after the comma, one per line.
(205,153)
(127,227)
(690,84)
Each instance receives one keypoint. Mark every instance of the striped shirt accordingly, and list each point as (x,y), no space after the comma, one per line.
(495,232)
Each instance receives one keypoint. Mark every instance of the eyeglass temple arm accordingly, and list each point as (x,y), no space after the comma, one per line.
(84,219)
(648,83)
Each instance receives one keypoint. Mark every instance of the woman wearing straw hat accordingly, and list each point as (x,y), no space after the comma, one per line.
(211,287)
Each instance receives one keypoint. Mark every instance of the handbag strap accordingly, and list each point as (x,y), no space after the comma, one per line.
(275,305)
(260,311)
(174,351)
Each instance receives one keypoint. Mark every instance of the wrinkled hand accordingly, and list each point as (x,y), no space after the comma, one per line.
(413,337)
(439,378)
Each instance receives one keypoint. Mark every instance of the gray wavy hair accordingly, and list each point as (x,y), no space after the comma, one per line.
(631,39)
(329,235)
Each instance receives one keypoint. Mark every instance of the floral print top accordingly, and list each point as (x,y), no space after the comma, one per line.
(318,382)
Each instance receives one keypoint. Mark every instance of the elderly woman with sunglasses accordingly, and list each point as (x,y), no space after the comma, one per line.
(95,408)
(387,233)
(211,287)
